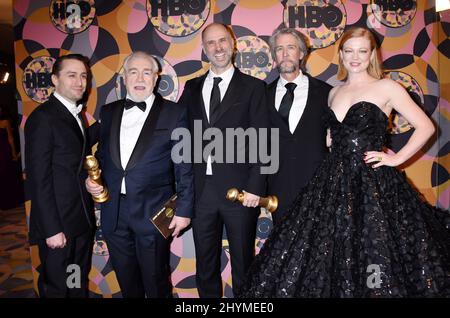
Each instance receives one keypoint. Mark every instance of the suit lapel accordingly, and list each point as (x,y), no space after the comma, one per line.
(277,119)
(199,105)
(67,116)
(309,107)
(145,137)
(84,143)
(114,146)
(231,94)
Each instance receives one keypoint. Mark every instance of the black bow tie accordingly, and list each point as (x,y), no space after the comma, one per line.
(131,103)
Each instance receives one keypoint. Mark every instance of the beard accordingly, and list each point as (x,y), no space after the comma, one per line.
(287,67)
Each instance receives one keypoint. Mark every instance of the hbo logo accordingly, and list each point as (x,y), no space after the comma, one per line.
(37,80)
(251,59)
(177,7)
(390,5)
(314,16)
(72,12)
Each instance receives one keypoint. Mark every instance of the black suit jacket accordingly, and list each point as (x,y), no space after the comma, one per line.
(55,150)
(300,152)
(243,106)
(151,177)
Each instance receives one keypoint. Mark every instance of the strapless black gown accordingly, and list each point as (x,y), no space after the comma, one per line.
(355,231)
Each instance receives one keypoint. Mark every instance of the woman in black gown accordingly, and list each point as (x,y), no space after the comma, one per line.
(359,229)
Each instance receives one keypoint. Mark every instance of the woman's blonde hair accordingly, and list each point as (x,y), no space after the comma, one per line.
(374,68)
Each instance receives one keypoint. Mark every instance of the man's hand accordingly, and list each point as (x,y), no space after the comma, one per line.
(56,241)
(179,223)
(93,188)
(250,200)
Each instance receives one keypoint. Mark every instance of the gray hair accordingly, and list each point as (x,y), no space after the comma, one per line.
(142,54)
(296,34)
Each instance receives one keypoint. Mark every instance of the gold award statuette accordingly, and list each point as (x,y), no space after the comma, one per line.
(270,202)
(161,220)
(92,168)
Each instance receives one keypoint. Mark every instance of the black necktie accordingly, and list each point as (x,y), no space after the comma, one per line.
(214,101)
(286,102)
(80,117)
(131,103)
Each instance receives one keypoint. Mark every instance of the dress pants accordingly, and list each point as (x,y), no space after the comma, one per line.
(141,262)
(55,273)
(212,212)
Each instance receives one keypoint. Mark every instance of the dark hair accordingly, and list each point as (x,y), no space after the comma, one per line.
(58,63)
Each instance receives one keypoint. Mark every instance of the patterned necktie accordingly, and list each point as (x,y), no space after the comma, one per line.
(214,101)
(131,103)
(286,102)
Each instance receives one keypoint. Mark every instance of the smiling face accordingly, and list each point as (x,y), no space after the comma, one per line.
(71,80)
(218,46)
(356,54)
(287,54)
(140,77)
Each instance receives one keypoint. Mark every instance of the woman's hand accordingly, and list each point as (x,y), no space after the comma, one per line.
(381,159)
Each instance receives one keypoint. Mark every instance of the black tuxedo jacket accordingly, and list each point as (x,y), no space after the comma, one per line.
(55,149)
(243,106)
(300,152)
(151,177)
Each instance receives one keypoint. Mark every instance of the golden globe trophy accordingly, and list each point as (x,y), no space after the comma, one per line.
(270,202)
(92,168)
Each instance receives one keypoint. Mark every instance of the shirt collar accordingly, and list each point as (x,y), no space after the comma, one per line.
(148,101)
(72,107)
(226,76)
(300,80)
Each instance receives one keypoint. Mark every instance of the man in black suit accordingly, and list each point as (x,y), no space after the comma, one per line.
(135,158)
(61,218)
(220,99)
(297,103)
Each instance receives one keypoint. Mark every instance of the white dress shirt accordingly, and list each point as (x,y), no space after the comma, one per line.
(206,93)
(300,98)
(73,108)
(133,120)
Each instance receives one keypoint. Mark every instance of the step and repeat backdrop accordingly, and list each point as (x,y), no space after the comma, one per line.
(415,50)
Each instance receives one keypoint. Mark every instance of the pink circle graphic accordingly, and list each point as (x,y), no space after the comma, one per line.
(178,18)
(253,56)
(73,16)
(36,79)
